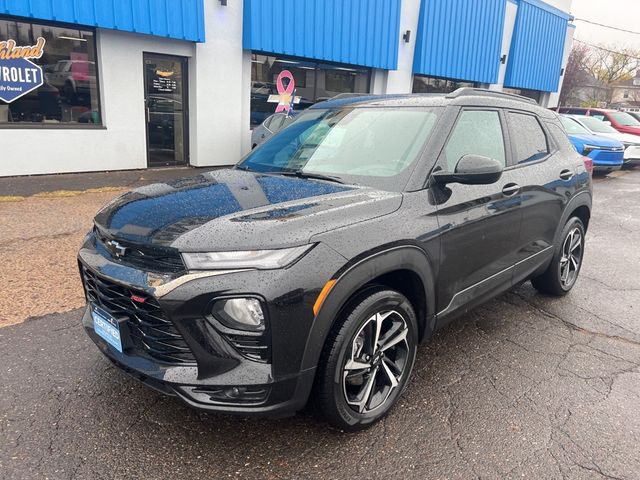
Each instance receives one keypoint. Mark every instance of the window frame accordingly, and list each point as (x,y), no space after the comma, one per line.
(441,161)
(552,148)
(62,126)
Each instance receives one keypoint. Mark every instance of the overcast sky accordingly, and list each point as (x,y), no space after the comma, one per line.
(618,13)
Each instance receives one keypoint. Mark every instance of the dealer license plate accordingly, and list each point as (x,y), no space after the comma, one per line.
(106,327)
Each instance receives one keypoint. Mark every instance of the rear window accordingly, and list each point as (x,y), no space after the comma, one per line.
(560,137)
(528,137)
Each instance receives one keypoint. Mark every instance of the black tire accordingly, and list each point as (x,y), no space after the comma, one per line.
(553,281)
(355,328)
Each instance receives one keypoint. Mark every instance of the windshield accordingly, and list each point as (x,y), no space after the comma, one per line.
(623,118)
(368,146)
(597,126)
(572,127)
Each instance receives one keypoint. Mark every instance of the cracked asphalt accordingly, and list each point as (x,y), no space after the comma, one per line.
(526,386)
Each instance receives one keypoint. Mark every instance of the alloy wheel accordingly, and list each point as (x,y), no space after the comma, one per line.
(571,259)
(378,358)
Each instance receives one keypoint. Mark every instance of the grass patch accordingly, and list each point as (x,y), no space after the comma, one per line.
(11,198)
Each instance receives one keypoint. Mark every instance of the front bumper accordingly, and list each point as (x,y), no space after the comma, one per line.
(632,155)
(607,160)
(266,398)
(222,379)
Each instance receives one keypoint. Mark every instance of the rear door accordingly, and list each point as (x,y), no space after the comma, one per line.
(480,224)
(545,175)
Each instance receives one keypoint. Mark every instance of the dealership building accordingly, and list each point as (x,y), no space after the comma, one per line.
(98,85)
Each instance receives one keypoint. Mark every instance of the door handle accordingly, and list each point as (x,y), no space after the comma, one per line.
(510,189)
(566,174)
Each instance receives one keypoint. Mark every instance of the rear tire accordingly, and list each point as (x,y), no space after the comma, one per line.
(367,359)
(561,275)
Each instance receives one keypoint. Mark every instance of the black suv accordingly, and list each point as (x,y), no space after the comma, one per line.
(313,268)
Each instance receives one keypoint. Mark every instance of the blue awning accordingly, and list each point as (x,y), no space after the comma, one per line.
(537,47)
(357,32)
(179,19)
(460,39)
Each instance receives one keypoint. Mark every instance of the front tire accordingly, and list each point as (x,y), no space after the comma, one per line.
(367,360)
(562,273)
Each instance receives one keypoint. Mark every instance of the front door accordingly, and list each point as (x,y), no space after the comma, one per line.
(480,223)
(166,110)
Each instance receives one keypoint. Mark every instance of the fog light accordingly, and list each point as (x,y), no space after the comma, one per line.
(240,313)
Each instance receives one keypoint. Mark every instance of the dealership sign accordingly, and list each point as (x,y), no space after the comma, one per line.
(18,74)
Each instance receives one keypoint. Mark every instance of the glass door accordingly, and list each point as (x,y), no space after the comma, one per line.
(166,112)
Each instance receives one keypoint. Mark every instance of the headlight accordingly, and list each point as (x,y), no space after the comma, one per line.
(587,149)
(258,259)
(239,313)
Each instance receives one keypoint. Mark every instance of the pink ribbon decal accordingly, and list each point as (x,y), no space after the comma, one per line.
(286,94)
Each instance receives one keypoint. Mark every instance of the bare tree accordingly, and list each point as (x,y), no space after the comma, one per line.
(611,64)
(574,74)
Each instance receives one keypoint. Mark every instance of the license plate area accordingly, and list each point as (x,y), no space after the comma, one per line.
(106,327)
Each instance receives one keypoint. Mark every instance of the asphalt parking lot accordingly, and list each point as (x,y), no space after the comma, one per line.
(526,386)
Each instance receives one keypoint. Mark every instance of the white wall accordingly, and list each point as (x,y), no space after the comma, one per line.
(507,34)
(401,80)
(219,118)
(122,143)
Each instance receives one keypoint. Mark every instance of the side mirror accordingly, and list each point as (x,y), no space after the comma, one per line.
(607,122)
(472,170)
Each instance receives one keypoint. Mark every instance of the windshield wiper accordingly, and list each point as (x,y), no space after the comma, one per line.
(303,174)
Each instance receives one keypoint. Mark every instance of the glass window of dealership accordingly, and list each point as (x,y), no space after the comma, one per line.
(69,94)
(314,82)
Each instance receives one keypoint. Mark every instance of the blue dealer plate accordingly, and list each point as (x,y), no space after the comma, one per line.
(106,327)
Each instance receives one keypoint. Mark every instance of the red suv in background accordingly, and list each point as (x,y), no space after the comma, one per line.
(621,121)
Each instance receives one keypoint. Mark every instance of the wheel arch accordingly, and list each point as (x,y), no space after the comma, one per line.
(579,206)
(384,267)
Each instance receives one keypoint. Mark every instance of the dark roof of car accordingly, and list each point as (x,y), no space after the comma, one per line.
(460,97)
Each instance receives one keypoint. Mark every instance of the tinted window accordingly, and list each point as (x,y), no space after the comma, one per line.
(267,122)
(276,123)
(477,132)
(561,138)
(528,138)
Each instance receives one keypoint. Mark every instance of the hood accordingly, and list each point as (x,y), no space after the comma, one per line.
(635,131)
(622,137)
(595,140)
(239,210)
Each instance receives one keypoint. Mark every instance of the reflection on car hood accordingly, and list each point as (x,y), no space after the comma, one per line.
(237,210)
(595,140)
(624,137)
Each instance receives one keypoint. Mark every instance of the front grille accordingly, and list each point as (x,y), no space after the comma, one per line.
(253,347)
(147,257)
(608,156)
(234,395)
(152,334)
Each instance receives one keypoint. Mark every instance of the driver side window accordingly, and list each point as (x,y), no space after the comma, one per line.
(477,132)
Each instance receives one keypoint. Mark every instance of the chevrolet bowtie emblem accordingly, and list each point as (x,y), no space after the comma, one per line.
(116,248)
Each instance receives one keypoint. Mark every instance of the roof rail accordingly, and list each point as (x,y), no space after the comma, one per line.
(468,91)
